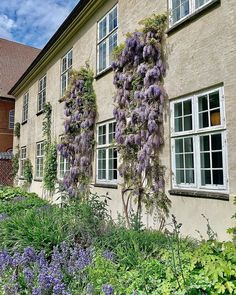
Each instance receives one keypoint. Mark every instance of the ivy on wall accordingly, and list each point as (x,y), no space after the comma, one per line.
(50,150)
(78,140)
(28,171)
(15,162)
(17,130)
(139,70)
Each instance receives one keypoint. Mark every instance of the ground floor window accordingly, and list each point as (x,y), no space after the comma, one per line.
(39,159)
(106,168)
(22,160)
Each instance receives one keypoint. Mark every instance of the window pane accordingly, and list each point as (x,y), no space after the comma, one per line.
(64,64)
(215,117)
(203,120)
(205,160)
(112,45)
(69,59)
(217,160)
(102,28)
(189,176)
(112,130)
(187,123)
(206,177)
(202,103)
(218,177)
(102,56)
(199,3)
(216,142)
(179,145)
(189,161)
(113,19)
(178,125)
(102,135)
(214,100)
(204,143)
(178,109)
(179,176)
(187,107)
(188,144)
(179,160)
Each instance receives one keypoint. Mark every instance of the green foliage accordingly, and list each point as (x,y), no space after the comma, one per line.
(155,23)
(41,228)
(17,130)
(15,162)
(47,121)
(8,193)
(118,50)
(232,230)
(28,171)
(50,167)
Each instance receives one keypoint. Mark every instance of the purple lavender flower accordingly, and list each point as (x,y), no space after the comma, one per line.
(108,289)
(29,276)
(3,216)
(109,255)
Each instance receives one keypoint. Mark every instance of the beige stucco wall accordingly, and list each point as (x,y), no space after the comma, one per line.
(201,54)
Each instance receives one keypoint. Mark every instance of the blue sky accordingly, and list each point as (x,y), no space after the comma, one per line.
(32,22)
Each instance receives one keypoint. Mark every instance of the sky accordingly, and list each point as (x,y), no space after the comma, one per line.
(32,22)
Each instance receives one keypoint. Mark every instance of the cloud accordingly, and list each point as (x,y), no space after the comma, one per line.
(33,22)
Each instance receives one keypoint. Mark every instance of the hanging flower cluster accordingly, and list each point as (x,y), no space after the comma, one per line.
(139,70)
(78,141)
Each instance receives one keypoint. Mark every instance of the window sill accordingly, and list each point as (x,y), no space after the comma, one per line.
(200,194)
(39,113)
(192,16)
(106,185)
(103,73)
(21,178)
(38,179)
(23,123)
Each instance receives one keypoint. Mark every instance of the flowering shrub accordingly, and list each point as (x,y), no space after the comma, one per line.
(139,70)
(78,139)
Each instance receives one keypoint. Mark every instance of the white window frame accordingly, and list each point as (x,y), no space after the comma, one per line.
(39,173)
(192,9)
(65,162)
(106,38)
(11,119)
(42,84)
(25,109)
(66,71)
(105,146)
(23,157)
(196,133)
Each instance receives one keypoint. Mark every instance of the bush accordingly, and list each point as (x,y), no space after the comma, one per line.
(41,228)
(8,192)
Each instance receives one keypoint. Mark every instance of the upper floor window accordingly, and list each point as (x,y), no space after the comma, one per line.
(41,93)
(39,159)
(11,119)
(107,39)
(182,8)
(22,160)
(106,154)
(198,133)
(66,66)
(25,107)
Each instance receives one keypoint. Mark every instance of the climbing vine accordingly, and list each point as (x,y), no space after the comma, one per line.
(78,140)
(50,149)
(17,130)
(28,171)
(15,162)
(139,70)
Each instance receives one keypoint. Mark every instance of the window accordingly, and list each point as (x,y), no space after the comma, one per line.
(22,160)
(66,65)
(182,8)
(39,159)
(64,166)
(11,119)
(107,39)
(106,154)
(41,93)
(198,134)
(25,107)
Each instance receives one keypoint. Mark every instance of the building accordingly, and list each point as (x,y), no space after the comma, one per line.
(14,60)
(200,82)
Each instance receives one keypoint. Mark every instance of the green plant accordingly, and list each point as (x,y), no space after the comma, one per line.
(50,167)
(41,228)
(15,162)
(28,171)
(7,193)
(17,130)
(232,230)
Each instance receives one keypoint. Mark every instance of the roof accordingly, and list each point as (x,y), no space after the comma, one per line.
(68,21)
(14,60)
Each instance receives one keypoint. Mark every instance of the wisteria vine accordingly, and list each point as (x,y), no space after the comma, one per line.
(139,71)
(78,140)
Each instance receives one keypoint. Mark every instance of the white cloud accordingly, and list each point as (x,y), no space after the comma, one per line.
(34,21)
(6,26)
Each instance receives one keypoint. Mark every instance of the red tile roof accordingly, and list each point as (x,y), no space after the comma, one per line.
(15,58)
